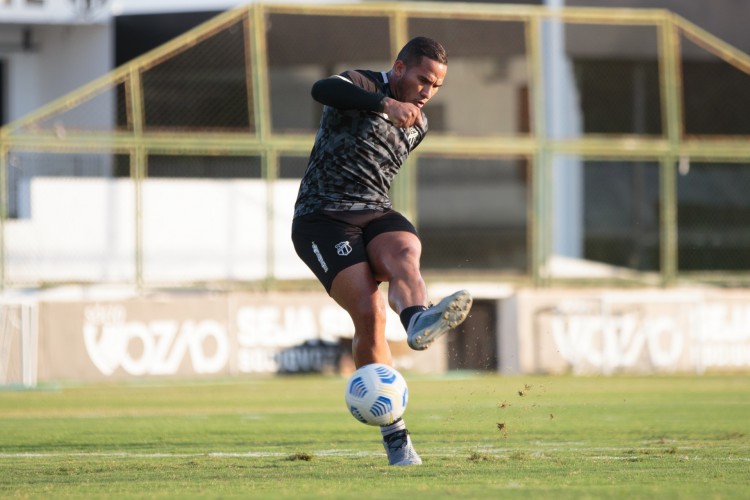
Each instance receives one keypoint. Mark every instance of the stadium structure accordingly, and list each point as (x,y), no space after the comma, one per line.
(151,153)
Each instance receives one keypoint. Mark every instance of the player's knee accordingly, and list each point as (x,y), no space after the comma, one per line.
(410,253)
(406,256)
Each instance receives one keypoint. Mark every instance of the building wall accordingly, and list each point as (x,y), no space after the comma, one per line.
(726,19)
(61,59)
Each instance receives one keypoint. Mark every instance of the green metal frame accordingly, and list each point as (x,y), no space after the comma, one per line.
(21,135)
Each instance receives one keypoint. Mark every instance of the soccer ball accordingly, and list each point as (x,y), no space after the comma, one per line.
(376,394)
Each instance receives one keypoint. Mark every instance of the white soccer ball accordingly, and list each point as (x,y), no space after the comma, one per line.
(376,394)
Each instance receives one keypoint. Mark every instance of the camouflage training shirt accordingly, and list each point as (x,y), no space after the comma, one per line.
(356,155)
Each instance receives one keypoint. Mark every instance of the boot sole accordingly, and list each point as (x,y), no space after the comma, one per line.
(454,313)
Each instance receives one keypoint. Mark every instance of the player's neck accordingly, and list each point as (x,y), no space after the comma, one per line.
(392,84)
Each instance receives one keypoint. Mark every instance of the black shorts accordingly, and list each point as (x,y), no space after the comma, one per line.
(329,242)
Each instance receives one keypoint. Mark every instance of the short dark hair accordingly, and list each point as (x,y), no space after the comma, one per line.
(417,48)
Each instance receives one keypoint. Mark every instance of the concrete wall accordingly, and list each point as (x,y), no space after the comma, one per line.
(83,229)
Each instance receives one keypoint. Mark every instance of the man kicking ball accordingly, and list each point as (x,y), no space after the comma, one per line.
(344,226)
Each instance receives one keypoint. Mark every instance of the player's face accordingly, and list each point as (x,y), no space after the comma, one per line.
(417,84)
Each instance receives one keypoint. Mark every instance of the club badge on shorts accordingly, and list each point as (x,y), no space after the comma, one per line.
(343,248)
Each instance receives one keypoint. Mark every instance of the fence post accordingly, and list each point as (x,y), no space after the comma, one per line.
(539,219)
(3,206)
(138,159)
(669,54)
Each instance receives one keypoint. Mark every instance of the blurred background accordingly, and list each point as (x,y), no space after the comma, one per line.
(585,176)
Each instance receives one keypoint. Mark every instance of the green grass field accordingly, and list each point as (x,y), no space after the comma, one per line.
(480,436)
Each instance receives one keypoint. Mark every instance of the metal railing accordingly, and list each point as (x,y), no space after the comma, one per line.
(220,94)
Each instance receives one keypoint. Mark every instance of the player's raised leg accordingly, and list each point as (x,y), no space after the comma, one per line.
(394,257)
(426,326)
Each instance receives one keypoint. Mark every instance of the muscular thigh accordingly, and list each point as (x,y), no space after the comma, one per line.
(390,240)
(391,252)
(329,242)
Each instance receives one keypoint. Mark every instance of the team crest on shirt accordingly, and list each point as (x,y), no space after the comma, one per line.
(411,135)
(343,248)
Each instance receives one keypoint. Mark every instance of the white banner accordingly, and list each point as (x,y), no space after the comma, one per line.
(632,331)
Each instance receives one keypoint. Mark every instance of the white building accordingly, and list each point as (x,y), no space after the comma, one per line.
(50,47)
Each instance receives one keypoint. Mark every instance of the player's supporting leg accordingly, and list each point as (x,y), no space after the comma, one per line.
(397,444)
(356,290)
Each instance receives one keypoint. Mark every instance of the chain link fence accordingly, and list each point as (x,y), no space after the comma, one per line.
(565,146)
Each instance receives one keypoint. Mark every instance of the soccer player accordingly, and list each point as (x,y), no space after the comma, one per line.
(344,227)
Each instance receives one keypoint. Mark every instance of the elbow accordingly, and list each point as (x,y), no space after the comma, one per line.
(316,91)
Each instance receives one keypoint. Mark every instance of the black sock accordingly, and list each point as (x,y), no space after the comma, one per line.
(408,313)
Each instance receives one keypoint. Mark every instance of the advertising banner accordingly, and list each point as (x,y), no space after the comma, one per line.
(189,335)
(631,331)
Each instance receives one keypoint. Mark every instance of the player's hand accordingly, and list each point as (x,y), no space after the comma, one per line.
(402,114)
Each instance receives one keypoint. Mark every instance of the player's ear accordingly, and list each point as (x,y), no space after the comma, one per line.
(399,67)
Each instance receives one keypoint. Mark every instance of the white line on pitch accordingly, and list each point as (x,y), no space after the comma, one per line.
(321,453)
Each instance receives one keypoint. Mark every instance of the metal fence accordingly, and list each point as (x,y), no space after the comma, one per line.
(572,145)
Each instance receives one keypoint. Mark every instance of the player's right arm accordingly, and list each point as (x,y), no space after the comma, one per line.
(341,91)
(352,90)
